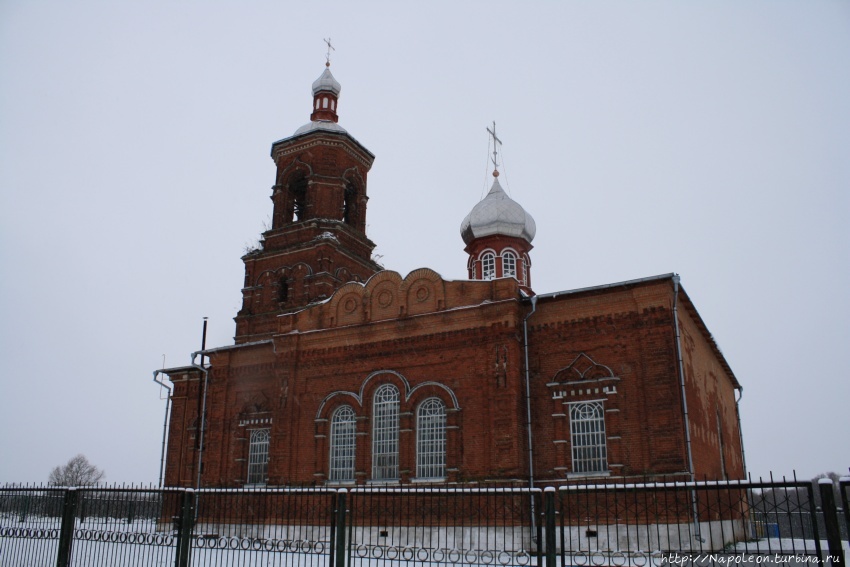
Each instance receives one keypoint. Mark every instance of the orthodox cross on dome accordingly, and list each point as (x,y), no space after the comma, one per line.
(328,56)
(496,140)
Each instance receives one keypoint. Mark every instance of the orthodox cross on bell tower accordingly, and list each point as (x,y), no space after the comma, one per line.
(328,56)
(496,140)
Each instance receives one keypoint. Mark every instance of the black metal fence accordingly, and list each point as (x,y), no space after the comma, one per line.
(443,525)
(701,522)
(598,524)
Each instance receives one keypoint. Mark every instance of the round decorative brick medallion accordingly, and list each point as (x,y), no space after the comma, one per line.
(422,293)
(350,305)
(385,298)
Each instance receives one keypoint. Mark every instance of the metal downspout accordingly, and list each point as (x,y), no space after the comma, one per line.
(741,431)
(682,375)
(685,403)
(164,423)
(528,414)
(203,419)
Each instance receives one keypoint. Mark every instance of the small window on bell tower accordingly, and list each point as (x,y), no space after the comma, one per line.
(349,205)
(488,266)
(283,291)
(508,264)
(298,194)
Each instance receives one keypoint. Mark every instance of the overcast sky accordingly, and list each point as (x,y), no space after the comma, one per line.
(711,139)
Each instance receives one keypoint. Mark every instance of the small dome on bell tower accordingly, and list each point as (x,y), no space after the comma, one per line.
(498,214)
(326,91)
(498,233)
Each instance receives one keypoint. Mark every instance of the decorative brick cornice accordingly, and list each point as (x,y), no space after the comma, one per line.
(300,144)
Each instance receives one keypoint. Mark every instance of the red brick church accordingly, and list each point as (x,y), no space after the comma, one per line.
(345,373)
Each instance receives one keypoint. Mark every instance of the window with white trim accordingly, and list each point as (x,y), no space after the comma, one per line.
(343,442)
(525,269)
(385,409)
(587,437)
(431,439)
(508,264)
(488,266)
(258,457)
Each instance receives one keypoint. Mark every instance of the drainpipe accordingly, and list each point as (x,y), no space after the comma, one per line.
(685,403)
(741,431)
(528,414)
(682,376)
(164,422)
(203,419)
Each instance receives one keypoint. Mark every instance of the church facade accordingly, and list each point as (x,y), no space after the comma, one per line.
(344,373)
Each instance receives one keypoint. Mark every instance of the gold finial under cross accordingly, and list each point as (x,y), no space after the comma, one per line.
(495,141)
(328,56)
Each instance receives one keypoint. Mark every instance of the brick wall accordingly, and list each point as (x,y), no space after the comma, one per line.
(462,343)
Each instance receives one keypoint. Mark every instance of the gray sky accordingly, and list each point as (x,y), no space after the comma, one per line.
(710,139)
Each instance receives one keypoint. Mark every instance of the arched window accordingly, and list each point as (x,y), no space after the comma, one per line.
(488,266)
(343,428)
(385,433)
(508,264)
(283,290)
(525,265)
(587,436)
(258,457)
(298,198)
(349,205)
(431,439)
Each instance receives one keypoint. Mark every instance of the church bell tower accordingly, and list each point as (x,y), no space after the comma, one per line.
(317,240)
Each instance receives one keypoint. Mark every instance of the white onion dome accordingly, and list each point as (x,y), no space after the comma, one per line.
(326,83)
(324,117)
(497,214)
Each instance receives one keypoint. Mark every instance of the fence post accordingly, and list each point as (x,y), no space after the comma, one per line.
(549,512)
(843,485)
(66,534)
(830,519)
(184,528)
(341,505)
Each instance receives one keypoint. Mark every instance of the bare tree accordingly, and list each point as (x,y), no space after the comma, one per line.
(76,472)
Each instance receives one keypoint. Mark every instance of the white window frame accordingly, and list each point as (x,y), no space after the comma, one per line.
(512,272)
(525,266)
(258,457)
(343,445)
(488,265)
(587,438)
(385,426)
(431,440)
